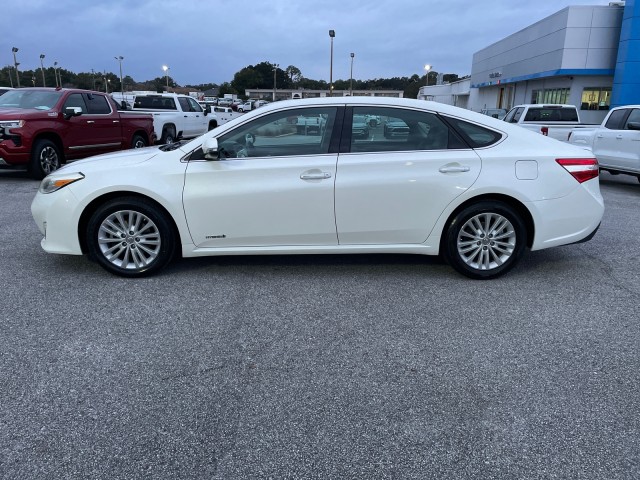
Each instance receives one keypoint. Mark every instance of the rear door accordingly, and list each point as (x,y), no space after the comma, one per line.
(392,187)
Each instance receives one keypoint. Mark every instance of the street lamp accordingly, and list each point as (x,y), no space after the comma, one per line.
(351,76)
(332,34)
(120,58)
(15,62)
(427,68)
(42,66)
(275,69)
(166,74)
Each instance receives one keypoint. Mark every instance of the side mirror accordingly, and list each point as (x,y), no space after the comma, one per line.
(633,125)
(207,109)
(210,149)
(72,112)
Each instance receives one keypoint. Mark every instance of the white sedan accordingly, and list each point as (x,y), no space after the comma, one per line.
(474,189)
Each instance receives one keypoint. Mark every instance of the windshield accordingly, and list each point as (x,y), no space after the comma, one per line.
(38,99)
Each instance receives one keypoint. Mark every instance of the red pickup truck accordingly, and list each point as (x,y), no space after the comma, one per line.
(42,128)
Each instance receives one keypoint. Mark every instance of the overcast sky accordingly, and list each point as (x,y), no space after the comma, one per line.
(208,41)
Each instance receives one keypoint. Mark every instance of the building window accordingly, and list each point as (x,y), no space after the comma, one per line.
(552,95)
(596,98)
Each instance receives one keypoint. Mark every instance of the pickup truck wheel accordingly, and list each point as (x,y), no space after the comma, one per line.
(168,135)
(240,110)
(484,240)
(130,237)
(45,158)
(212,125)
(138,142)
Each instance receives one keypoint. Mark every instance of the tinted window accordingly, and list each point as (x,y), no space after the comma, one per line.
(75,100)
(541,114)
(304,131)
(616,119)
(97,104)
(634,117)
(155,102)
(381,129)
(475,135)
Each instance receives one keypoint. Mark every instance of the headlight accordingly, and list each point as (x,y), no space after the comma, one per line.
(12,124)
(54,182)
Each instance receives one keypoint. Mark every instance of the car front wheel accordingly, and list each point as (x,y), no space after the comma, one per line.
(130,237)
(45,158)
(484,240)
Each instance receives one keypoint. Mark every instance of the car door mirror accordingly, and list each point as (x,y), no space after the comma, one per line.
(210,149)
(72,112)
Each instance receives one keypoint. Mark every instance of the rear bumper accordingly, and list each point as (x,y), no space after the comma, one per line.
(571,219)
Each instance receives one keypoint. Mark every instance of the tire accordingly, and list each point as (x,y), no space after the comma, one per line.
(241,110)
(138,141)
(212,125)
(130,237)
(470,245)
(45,158)
(168,135)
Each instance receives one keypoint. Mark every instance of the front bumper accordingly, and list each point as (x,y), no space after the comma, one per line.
(56,215)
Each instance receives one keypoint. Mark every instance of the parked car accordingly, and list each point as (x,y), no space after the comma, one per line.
(472,188)
(42,128)
(615,143)
(246,106)
(360,127)
(553,120)
(498,113)
(176,116)
(395,128)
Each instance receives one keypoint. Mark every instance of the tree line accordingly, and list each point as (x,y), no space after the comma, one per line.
(260,75)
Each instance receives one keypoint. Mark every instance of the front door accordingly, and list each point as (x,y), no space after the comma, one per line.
(272,186)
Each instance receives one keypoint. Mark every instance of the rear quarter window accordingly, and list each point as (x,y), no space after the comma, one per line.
(475,135)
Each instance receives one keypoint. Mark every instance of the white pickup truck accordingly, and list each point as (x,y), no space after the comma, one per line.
(615,143)
(554,120)
(175,116)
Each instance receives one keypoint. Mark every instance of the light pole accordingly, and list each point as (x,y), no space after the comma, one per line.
(166,74)
(55,72)
(351,76)
(427,68)
(42,67)
(93,75)
(332,34)
(15,62)
(275,69)
(120,58)
(10,75)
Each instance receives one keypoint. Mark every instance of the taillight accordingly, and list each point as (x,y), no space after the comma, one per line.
(544,131)
(582,169)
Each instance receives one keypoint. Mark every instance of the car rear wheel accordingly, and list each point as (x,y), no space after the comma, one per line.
(168,135)
(45,158)
(130,237)
(485,240)
(138,142)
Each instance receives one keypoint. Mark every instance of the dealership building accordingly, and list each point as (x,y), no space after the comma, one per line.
(588,56)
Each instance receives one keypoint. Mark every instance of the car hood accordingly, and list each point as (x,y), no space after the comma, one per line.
(20,113)
(113,160)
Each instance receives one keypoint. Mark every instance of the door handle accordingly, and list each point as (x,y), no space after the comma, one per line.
(116,121)
(315,176)
(91,121)
(454,169)
(599,135)
(619,137)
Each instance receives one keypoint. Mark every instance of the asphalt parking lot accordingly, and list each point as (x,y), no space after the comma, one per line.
(321,366)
